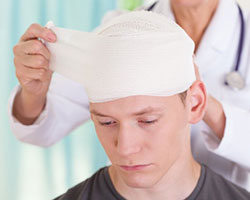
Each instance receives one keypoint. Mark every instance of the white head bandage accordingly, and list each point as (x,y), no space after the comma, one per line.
(139,53)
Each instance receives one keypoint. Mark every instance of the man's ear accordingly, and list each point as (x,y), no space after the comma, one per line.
(197,97)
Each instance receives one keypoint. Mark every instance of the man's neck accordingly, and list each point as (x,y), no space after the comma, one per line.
(178,183)
(194,19)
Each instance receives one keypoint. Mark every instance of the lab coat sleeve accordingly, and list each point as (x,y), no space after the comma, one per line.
(63,112)
(66,108)
(235,145)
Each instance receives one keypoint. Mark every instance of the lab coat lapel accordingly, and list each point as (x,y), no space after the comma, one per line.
(163,7)
(218,36)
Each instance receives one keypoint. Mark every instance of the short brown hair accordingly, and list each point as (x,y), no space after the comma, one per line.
(183,96)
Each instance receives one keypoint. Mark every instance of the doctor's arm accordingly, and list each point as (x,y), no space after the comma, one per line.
(62,105)
(231,125)
(233,132)
(66,108)
(43,109)
(215,117)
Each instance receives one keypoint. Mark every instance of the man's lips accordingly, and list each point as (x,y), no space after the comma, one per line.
(134,167)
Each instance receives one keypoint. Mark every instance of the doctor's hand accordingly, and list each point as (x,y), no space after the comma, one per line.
(214,115)
(31,59)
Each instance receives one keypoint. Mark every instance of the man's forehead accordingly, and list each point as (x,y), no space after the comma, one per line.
(133,106)
(147,110)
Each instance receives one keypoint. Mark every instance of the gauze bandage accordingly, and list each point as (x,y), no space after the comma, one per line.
(138,53)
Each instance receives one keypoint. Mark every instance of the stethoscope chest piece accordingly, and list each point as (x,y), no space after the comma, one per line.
(235,80)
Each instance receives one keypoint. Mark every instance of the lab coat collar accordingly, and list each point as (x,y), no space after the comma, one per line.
(220,30)
(163,7)
(218,34)
(217,38)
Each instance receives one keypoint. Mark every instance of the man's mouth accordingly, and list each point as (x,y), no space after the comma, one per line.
(134,167)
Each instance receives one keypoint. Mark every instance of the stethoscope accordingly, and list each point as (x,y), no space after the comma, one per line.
(233,79)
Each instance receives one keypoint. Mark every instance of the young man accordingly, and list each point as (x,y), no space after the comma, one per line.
(142,114)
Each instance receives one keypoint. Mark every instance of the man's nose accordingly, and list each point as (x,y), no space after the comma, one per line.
(129,140)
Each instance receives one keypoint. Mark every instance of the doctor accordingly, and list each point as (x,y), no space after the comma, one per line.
(42,106)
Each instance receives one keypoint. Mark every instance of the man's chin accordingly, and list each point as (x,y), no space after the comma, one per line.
(136,178)
(139,181)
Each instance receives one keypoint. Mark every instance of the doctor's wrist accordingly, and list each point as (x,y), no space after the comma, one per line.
(27,107)
(215,117)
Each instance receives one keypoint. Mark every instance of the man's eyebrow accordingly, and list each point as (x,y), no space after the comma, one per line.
(94,112)
(144,111)
(147,110)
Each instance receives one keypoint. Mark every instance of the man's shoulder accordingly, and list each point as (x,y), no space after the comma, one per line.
(214,186)
(84,189)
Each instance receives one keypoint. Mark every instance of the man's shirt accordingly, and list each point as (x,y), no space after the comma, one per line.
(210,186)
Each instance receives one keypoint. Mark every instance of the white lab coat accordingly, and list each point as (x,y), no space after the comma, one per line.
(67,103)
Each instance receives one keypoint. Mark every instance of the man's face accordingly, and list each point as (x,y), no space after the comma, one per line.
(142,136)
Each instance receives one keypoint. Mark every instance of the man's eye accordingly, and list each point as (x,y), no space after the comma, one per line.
(148,121)
(107,123)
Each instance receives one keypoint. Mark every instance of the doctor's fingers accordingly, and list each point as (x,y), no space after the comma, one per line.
(31,47)
(32,61)
(24,73)
(37,31)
